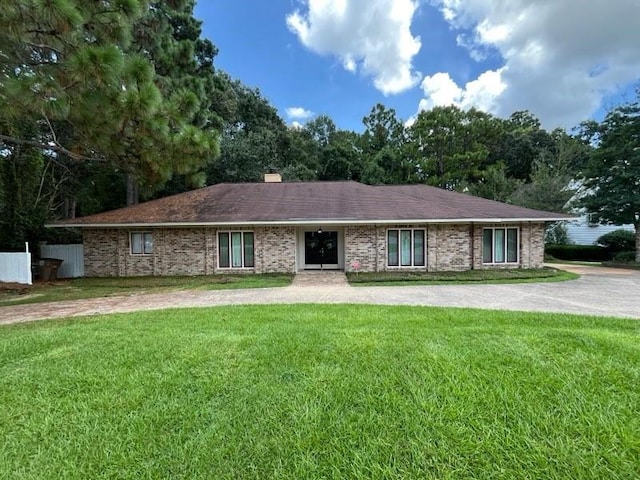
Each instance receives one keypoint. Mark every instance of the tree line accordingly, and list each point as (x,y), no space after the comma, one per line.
(105,103)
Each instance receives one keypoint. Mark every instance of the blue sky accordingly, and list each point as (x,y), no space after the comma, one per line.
(341,57)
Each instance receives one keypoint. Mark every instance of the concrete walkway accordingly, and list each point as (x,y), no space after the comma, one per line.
(599,291)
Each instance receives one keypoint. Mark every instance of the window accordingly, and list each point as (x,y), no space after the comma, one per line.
(500,245)
(141,243)
(235,250)
(405,248)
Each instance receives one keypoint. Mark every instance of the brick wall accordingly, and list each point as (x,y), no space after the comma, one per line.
(361,245)
(531,253)
(100,253)
(183,251)
(275,249)
(449,248)
(193,251)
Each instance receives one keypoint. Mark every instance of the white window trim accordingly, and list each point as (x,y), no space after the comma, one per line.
(424,248)
(493,245)
(231,267)
(143,233)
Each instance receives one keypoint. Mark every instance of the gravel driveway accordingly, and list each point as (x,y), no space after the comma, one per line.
(599,291)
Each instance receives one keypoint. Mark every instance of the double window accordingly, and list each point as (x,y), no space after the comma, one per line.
(141,243)
(405,247)
(500,245)
(235,250)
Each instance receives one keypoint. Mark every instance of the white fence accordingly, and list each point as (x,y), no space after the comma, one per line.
(15,267)
(72,257)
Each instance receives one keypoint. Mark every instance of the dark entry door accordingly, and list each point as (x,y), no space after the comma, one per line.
(321,249)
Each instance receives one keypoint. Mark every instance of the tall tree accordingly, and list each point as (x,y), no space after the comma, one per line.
(523,143)
(612,177)
(495,184)
(64,61)
(547,190)
(22,214)
(254,138)
(382,129)
(451,146)
(383,147)
(61,63)
(169,36)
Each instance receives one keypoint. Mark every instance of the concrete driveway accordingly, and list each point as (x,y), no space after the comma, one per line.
(599,291)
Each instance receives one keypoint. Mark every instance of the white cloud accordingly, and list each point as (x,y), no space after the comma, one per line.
(441,90)
(370,36)
(298,113)
(561,58)
(482,93)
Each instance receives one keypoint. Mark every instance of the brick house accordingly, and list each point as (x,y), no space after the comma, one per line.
(288,227)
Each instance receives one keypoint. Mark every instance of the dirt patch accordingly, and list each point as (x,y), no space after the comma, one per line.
(14,287)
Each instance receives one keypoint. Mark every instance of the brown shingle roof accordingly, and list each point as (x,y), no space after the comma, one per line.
(315,202)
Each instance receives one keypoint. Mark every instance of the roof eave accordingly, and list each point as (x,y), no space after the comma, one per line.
(310,221)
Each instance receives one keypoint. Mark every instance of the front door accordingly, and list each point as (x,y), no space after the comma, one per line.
(321,249)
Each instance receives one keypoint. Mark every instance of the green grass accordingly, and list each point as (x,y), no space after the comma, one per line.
(471,276)
(321,392)
(81,288)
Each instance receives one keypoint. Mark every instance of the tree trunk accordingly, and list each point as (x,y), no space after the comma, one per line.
(69,207)
(133,195)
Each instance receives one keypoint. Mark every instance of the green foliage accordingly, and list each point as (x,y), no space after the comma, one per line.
(556,233)
(522,144)
(548,190)
(450,146)
(618,241)
(494,184)
(120,82)
(253,139)
(22,213)
(321,391)
(58,54)
(627,256)
(611,176)
(383,144)
(584,253)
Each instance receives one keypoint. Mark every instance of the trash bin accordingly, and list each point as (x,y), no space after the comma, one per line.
(49,268)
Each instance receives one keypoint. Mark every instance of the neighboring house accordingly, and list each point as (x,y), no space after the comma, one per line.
(583,232)
(288,227)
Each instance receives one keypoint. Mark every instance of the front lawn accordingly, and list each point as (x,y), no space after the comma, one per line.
(512,275)
(313,391)
(80,288)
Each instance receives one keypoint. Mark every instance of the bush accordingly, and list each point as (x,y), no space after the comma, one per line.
(584,253)
(627,256)
(618,241)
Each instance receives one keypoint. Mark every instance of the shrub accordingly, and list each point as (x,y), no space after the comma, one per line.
(618,241)
(585,253)
(627,256)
